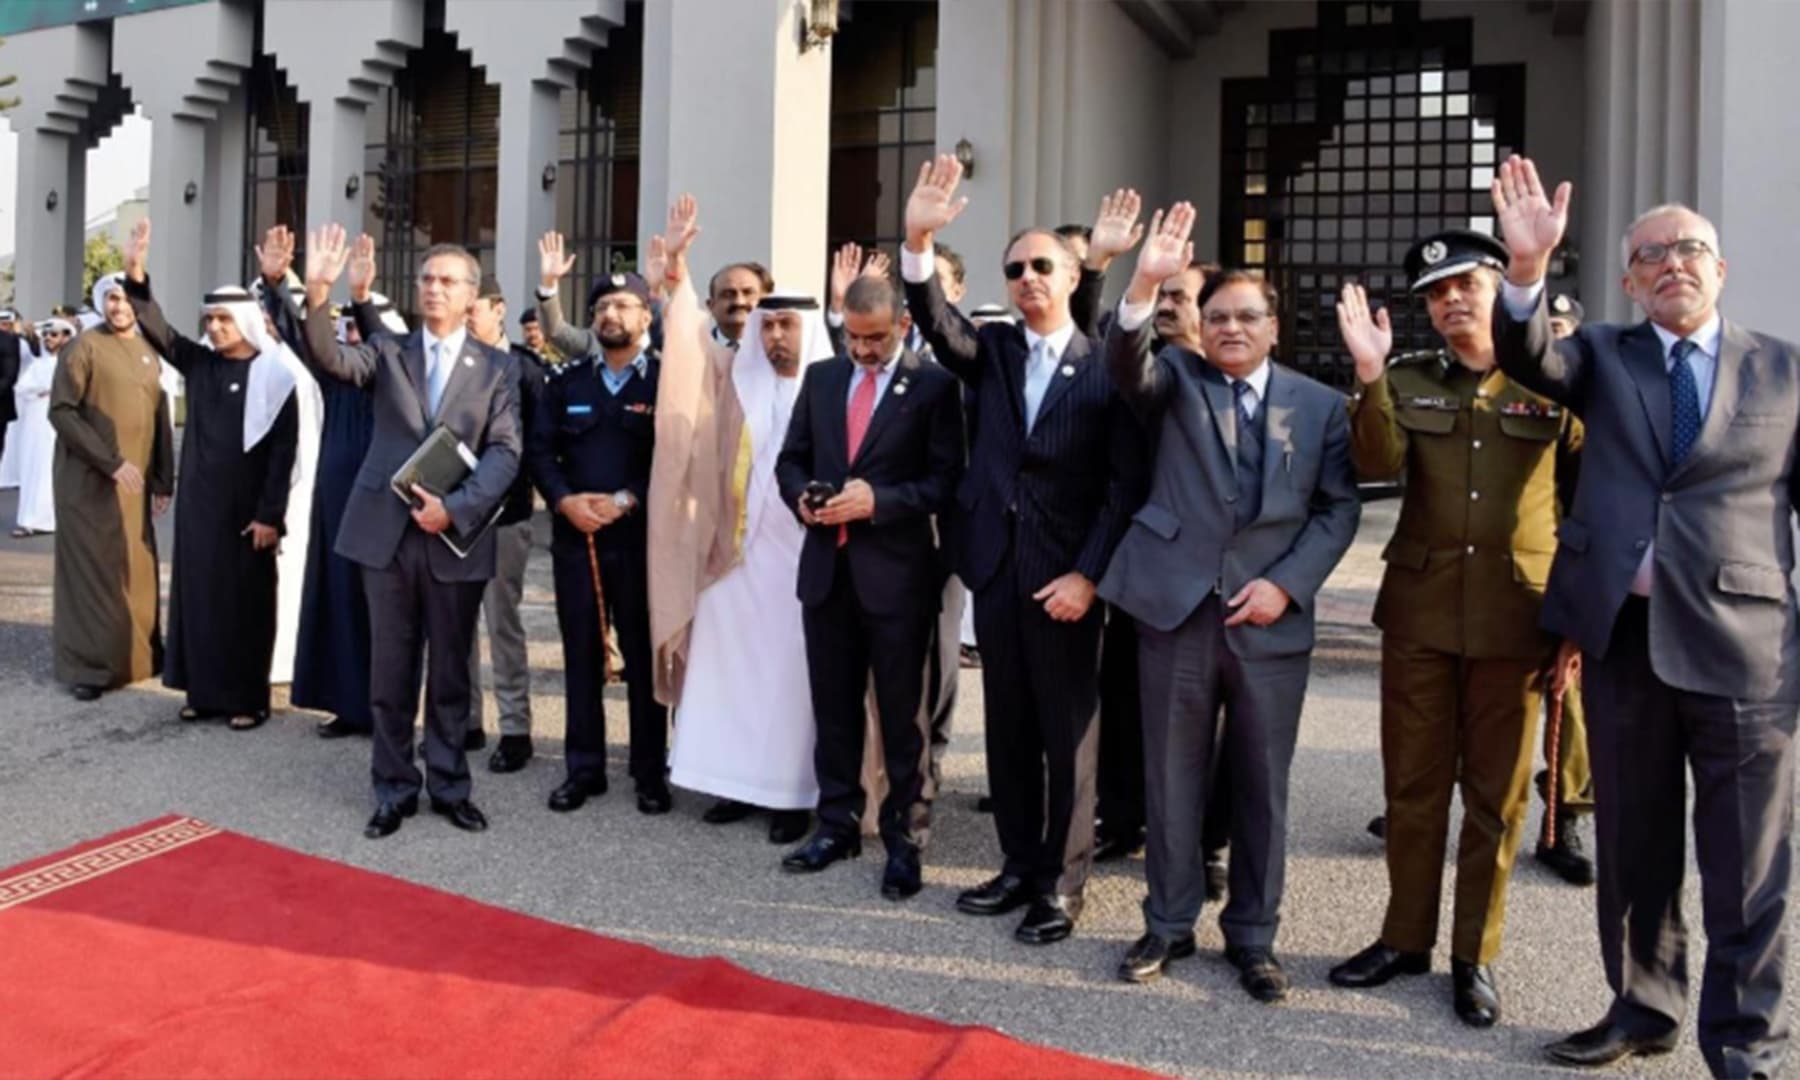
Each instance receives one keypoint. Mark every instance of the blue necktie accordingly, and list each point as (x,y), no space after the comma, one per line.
(1684,401)
(1037,380)
(435,376)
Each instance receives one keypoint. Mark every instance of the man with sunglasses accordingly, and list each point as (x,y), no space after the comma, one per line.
(1462,657)
(1039,511)
(1673,575)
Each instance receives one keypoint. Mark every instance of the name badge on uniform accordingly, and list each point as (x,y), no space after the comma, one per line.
(580,410)
(1543,409)
(1450,404)
(640,408)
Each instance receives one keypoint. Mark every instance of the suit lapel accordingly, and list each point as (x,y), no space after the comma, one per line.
(462,375)
(1012,373)
(1278,428)
(905,371)
(837,410)
(412,363)
(1218,397)
(1732,377)
(1644,361)
(1073,363)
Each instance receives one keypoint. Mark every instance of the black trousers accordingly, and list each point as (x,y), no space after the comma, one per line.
(847,647)
(1121,768)
(1644,736)
(409,611)
(1041,681)
(624,581)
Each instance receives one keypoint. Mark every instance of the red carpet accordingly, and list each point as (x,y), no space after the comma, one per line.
(176,949)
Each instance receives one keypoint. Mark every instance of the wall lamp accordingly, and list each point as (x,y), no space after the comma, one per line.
(190,193)
(50,201)
(818,22)
(352,185)
(548,179)
(965,156)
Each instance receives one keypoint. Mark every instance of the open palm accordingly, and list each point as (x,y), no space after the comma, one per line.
(1167,251)
(1368,337)
(933,203)
(1531,222)
(1116,229)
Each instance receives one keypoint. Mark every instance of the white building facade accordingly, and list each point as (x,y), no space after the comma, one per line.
(1318,139)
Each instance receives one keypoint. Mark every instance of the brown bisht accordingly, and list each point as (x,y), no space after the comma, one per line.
(108,408)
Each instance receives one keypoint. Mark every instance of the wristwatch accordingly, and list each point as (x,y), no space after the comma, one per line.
(623,500)
(545,294)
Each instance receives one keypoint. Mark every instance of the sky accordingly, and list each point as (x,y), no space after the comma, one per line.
(116,168)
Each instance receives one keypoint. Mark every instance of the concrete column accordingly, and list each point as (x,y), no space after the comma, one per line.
(223,212)
(62,72)
(534,50)
(334,153)
(182,65)
(975,78)
(1749,169)
(758,168)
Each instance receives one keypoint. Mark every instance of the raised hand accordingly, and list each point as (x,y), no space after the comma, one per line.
(326,253)
(877,265)
(137,250)
(1531,223)
(1369,339)
(275,254)
(1167,252)
(656,264)
(933,203)
(846,262)
(1116,228)
(362,268)
(683,226)
(552,263)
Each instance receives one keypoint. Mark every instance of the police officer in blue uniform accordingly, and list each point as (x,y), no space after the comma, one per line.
(589,450)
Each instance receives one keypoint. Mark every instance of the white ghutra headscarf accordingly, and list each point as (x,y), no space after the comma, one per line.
(767,398)
(270,379)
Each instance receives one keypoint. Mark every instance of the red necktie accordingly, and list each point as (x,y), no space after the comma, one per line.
(862,407)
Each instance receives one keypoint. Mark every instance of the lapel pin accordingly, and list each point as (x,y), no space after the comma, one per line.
(900,388)
(234,388)
(1068,370)
(468,362)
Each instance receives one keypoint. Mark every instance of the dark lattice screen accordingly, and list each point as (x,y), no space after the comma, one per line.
(883,118)
(1373,129)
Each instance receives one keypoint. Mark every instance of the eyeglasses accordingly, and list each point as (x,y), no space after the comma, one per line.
(1042,266)
(625,306)
(1687,250)
(442,281)
(1249,319)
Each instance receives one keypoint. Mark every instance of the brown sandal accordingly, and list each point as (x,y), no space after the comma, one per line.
(248,721)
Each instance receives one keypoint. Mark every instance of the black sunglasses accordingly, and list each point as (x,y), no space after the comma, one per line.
(1042,266)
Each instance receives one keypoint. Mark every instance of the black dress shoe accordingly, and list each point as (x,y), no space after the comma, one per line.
(474,740)
(388,817)
(1119,845)
(464,815)
(1259,972)
(1377,964)
(86,693)
(1218,875)
(1049,919)
(902,879)
(825,848)
(654,797)
(511,754)
(1605,1043)
(984,804)
(1477,996)
(1568,859)
(726,811)
(1378,826)
(573,793)
(339,728)
(788,826)
(1150,954)
(995,896)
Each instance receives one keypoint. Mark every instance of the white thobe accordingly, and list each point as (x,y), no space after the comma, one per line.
(290,560)
(31,442)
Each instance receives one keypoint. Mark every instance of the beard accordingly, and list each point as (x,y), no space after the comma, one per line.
(616,338)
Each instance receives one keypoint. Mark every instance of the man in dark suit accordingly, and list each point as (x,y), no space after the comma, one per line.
(1252,503)
(421,592)
(1672,574)
(1040,510)
(883,431)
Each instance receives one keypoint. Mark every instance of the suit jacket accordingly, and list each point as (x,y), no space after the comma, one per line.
(1183,543)
(1722,616)
(10,360)
(911,456)
(1057,497)
(480,405)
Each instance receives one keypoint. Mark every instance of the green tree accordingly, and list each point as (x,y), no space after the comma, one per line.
(7,104)
(100,257)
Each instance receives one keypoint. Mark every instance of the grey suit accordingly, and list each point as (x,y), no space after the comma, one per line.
(1184,554)
(1703,675)
(420,593)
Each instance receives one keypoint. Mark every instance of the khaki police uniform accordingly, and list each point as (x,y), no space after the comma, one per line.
(1463,658)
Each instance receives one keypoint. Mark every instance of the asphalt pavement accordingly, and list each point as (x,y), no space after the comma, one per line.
(71,771)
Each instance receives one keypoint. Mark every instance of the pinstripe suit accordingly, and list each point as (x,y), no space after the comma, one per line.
(1034,505)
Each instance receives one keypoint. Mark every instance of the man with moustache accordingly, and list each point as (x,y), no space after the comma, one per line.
(1039,512)
(1487,464)
(1673,575)
(589,450)
(732,295)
